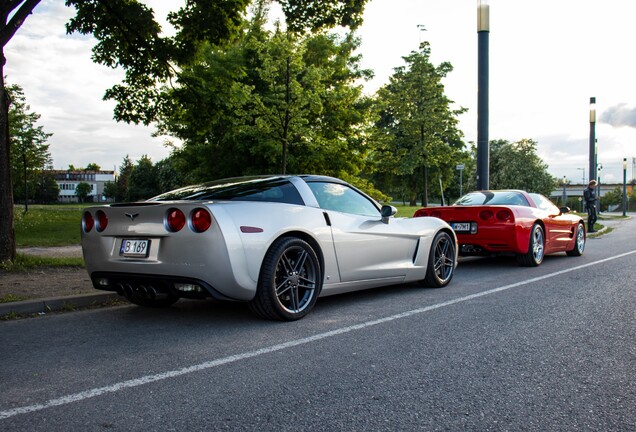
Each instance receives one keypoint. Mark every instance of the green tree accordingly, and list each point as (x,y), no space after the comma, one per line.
(47,190)
(143,183)
(125,170)
(271,102)
(29,151)
(110,190)
(128,36)
(93,167)
(82,191)
(518,166)
(416,133)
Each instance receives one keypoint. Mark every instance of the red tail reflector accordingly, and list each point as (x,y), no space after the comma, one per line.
(88,222)
(175,220)
(102,221)
(436,214)
(201,220)
(504,215)
(486,215)
(420,213)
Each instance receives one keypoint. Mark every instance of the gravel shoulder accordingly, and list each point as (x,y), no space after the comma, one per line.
(47,282)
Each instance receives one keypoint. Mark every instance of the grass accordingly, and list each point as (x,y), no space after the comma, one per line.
(48,225)
(24,262)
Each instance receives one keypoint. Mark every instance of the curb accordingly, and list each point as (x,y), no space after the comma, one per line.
(53,304)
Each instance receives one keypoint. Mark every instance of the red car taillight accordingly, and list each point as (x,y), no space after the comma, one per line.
(504,215)
(486,215)
(175,220)
(200,220)
(420,213)
(88,222)
(102,221)
(436,214)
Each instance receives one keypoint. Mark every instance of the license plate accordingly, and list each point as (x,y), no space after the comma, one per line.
(134,248)
(461,226)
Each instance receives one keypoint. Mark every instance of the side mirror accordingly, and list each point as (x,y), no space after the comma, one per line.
(387,211)
(564,210)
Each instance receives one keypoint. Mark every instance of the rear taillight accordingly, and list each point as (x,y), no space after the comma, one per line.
(436,214)
(175,220)
(88,222)
(200,220)
(486,215)
(420,213)
(504,215)
(102,221)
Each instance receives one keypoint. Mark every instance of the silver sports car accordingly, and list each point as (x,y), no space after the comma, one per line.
(276,242)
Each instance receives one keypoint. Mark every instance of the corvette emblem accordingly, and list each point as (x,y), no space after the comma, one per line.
(132,216)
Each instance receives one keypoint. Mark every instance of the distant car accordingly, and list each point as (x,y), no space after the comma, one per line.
(275,242)
(512,221)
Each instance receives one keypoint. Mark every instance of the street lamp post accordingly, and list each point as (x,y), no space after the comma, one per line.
(583,169)
(565,195)
(624,186)
(483,151)
(592,164)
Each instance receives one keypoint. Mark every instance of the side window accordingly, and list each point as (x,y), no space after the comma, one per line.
(341,198)
(543,203)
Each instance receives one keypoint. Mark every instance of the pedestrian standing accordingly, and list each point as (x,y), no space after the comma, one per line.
(589,196)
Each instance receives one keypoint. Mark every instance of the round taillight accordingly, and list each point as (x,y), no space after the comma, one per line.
(486,215)
(102,221)
(200,219)
(175,220)
(436,214)
(504,215)
(88,222)
(420,213)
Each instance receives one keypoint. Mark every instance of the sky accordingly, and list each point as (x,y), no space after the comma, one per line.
(546,59)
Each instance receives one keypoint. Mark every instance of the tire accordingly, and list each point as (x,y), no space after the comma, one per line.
(536,248)
(289,282)
(579,242)
(441,261)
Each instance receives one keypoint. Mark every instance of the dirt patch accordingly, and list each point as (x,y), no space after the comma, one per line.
(46,282)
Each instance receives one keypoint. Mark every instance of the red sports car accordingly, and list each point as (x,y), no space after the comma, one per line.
(511,221)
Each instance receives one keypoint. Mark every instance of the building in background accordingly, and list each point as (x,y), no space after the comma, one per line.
(68,181)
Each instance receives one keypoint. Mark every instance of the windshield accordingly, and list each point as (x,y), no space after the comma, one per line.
(493,198)
(270,189)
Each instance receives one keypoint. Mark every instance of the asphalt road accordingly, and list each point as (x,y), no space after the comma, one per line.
(502,348)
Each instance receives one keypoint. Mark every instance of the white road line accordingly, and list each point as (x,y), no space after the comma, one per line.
(76,397)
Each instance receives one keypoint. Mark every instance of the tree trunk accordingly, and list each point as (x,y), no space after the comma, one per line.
(7,231)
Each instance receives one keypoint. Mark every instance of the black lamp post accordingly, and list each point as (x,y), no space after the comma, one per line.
(483,151)
(592,170)
(624,186)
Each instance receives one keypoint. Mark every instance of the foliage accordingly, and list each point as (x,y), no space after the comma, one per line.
(82,190)
(93,167)
(24,262)
(125,169)
(30,154)
(110,190)
(143,183)
(515,165)
(272,102)
(416,134)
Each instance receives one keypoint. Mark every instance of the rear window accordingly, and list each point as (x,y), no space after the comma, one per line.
(265,190)
(493,198)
